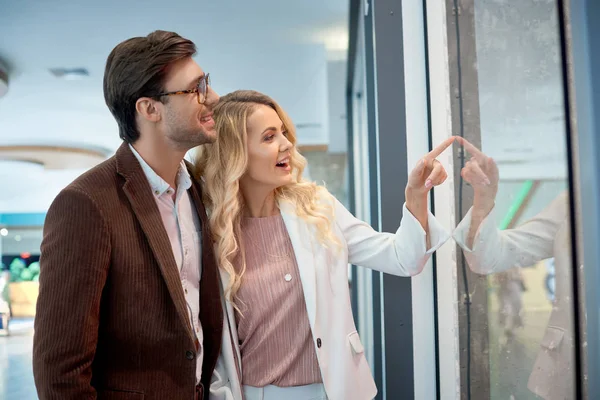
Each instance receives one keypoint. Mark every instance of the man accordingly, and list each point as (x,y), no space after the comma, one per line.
(129,304)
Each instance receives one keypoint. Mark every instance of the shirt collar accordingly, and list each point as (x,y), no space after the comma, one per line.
(159,185)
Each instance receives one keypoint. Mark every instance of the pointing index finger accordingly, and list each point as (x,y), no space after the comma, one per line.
(441,147)
(478,154)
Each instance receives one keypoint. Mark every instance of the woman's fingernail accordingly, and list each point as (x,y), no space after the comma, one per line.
(487,181)
(428,184)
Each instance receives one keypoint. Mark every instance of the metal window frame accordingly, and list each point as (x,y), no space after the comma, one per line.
(580,34)
(392,309)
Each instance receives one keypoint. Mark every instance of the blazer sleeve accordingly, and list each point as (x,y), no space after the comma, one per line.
(496,251)
(74,261)
(403,253)
(225,382)
(220,384)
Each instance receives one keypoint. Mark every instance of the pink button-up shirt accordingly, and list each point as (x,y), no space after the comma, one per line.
(276,342)
(181,222)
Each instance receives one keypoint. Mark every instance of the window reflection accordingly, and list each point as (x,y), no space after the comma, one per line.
(517,228)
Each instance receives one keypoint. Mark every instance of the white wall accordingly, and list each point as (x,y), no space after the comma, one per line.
(295,77)
(441,128)
(417,144)
(336,88)
(28,188)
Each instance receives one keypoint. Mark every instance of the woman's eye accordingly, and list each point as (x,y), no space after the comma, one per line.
(269,138)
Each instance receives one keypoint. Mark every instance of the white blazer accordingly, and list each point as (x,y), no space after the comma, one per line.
(545,235)
(324,275)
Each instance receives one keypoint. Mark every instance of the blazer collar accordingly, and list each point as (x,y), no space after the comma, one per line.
(139,193)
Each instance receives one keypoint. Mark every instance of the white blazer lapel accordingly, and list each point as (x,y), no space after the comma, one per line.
(230,315)
(300,237)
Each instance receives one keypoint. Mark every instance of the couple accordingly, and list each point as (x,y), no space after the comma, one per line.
(226,279)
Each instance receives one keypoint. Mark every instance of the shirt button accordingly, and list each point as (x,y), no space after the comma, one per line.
(319,343)
(189,355)
(185,290)
(288,277)
(157,192)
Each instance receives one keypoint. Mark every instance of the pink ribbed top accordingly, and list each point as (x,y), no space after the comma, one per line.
(274,333)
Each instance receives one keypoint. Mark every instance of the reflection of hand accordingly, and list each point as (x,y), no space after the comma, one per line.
(481,172)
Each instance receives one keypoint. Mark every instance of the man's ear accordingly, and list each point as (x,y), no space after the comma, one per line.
(148,109)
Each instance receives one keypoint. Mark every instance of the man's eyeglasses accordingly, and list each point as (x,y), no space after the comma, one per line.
(200,89)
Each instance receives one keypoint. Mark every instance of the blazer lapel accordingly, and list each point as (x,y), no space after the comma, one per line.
(300,237)
(139,193)
(211,312)
(228,307)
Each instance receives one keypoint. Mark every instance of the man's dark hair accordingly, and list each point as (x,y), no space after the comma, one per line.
(137,68)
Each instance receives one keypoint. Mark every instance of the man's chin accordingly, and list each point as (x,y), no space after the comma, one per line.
(209,136)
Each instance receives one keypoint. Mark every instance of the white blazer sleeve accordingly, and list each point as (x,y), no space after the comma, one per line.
(403,253)
(495,250)
(224,375)
(220,387)
(225,382)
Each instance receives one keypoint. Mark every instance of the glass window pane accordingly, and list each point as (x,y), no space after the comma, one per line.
(516,290)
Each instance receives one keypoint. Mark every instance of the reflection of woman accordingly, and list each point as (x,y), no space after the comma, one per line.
(489,250)
(284,245)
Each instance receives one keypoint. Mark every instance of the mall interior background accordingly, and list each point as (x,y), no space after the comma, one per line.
(371,86)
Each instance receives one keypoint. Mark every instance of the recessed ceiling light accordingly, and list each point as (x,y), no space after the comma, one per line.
(4,232)
(70,74)
(18,238)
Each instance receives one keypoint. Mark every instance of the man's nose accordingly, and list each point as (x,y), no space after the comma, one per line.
(212,98)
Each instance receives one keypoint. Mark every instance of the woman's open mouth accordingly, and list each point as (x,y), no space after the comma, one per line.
(284,164)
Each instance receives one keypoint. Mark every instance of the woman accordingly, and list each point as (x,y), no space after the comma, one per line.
(283,245)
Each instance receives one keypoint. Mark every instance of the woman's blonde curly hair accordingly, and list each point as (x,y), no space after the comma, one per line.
(220,166)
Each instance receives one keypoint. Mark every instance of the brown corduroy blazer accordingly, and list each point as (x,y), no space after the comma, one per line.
(112,320)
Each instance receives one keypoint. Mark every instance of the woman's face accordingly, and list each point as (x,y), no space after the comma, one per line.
(269,150)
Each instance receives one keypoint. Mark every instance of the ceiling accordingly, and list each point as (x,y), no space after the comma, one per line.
(265,45)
